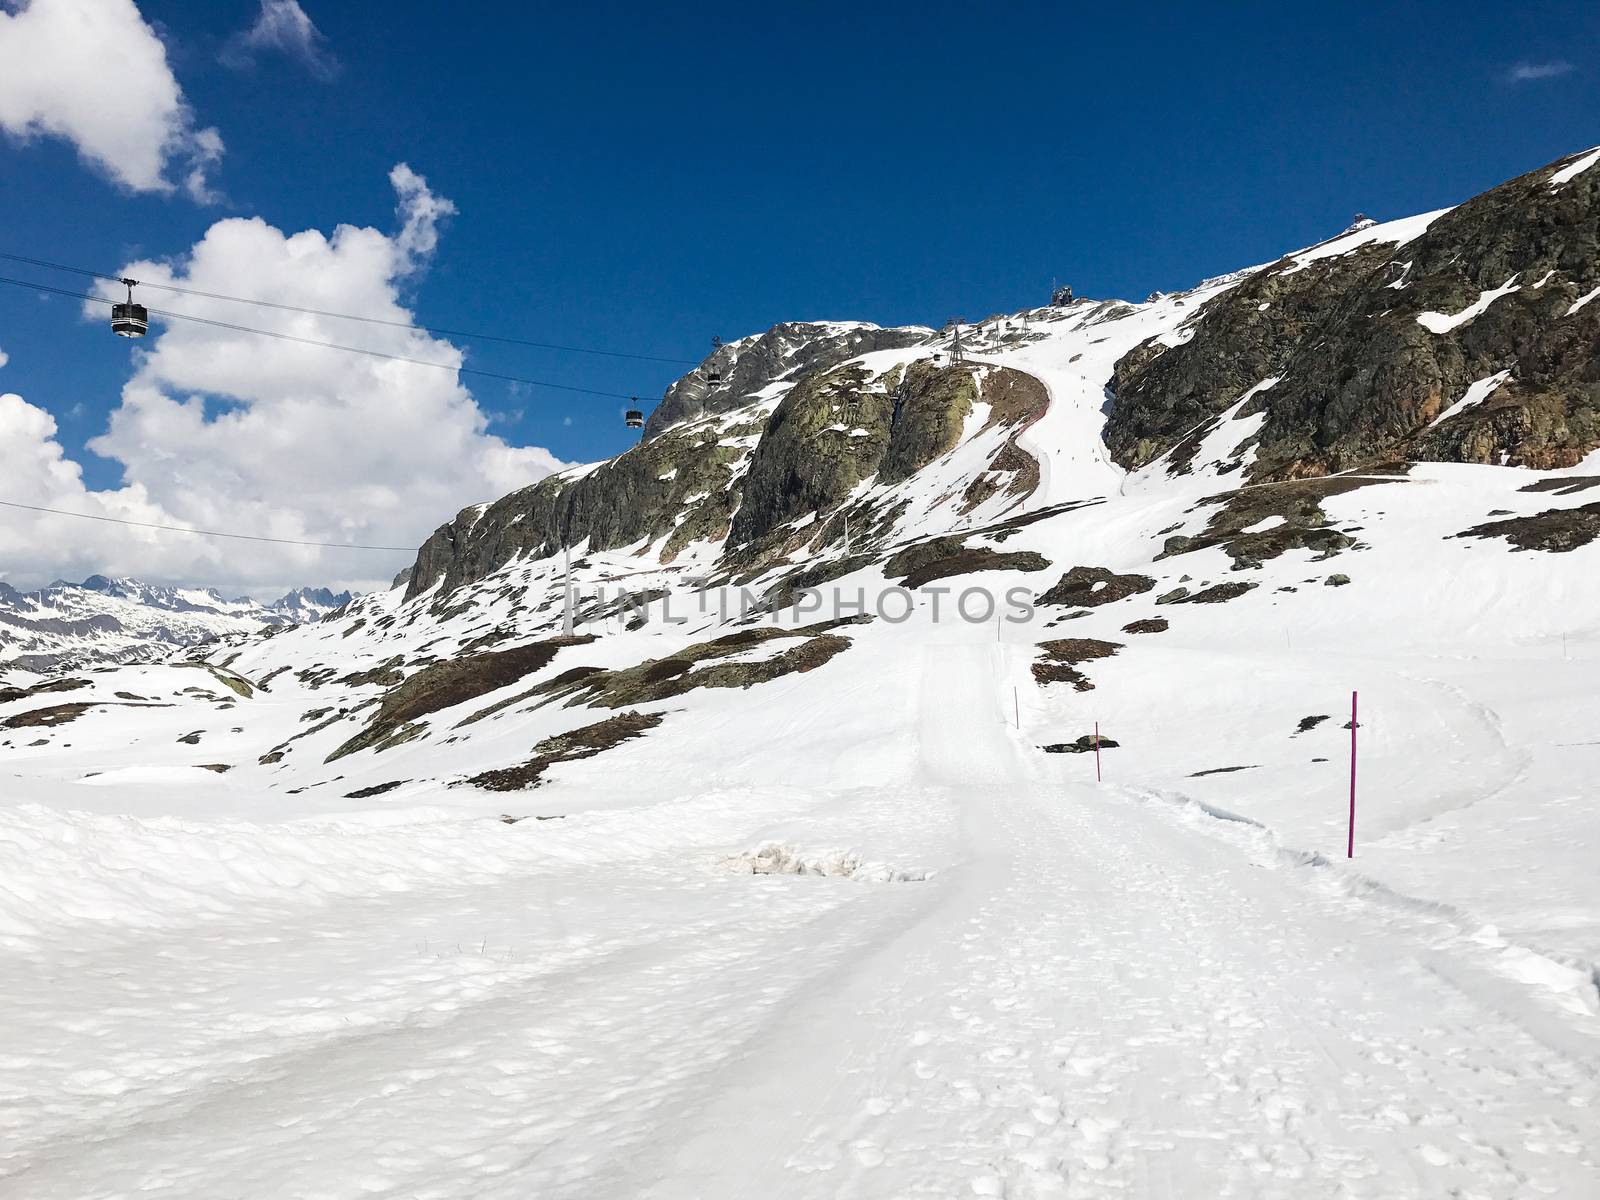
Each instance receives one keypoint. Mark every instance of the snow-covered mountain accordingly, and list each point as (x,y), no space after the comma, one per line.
(303,605)
(921,767)
(68,625)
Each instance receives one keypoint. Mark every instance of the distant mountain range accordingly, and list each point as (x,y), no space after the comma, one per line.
(67,625)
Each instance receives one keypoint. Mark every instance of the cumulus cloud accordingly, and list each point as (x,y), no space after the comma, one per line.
(94,73)
(1529,72)
(282,26)
(220,429)
(4,358)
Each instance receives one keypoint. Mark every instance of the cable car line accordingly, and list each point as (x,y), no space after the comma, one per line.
(243,537)
(318,312)
(305,341)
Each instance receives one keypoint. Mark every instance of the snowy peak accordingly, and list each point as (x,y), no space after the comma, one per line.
(105,619)
(310,604)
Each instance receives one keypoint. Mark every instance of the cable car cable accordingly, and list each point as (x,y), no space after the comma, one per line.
(305,341)
(244,537)
(318,312)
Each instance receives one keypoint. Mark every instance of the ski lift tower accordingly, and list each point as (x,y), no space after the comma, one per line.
(956,355)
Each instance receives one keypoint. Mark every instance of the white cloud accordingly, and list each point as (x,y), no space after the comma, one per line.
(4,358)
(220,429)
(1527,72)
(420,213)
(92,72)
(282,25)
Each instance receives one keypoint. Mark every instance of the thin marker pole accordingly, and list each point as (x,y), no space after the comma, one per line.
(1016,707)
(1097,751)
(1350,840)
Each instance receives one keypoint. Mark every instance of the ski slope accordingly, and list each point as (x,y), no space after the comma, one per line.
(1096,990)
(850,930)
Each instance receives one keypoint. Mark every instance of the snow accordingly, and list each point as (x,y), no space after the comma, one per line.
(1479,391)
(69,625)
(1582,300)
(1573,169)
(1398,233)
(1444,322)
(850,932)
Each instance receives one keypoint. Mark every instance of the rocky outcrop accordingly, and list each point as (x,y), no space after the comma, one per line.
(1248,334)
(827,435)
(676,487)
(1378,347)
(751,364)
(744,483)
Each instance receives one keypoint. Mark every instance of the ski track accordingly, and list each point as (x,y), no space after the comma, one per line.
(1099,996)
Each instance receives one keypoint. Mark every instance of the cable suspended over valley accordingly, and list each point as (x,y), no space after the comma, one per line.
(318,312)
(242,537)
(305,341)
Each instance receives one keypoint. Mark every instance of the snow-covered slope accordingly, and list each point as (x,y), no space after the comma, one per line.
(65,626)
(778,860)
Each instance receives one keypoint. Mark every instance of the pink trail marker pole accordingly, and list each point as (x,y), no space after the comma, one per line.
(1097,751)
(1350,840)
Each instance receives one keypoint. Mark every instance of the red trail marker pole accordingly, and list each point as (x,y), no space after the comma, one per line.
(1350,840)
(1097,751)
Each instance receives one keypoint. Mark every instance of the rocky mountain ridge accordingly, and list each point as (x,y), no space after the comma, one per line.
(1458,336)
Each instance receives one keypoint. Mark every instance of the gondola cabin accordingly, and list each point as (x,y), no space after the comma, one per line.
(129,320)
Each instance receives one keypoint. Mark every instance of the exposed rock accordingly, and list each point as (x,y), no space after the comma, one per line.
(568,747)
(1562,485)
(929,410)
(1297,509)
(376,789)
(697,666)
(1147,625)
(1363,380)
(1217,593)
(673,488)
(1086,744)
(1090,587)
(944,557)
(1556,530)
(811,455)
(447,684)
(750,364)
(1063,654)
(55,714)
(834,428)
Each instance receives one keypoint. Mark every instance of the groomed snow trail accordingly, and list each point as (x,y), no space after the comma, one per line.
(1100,993)
(1115,1001)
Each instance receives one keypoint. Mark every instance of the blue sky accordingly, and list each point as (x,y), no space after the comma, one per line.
(642,176)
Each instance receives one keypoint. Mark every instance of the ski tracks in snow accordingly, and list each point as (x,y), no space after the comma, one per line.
(1094,994)
(1113,1002)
